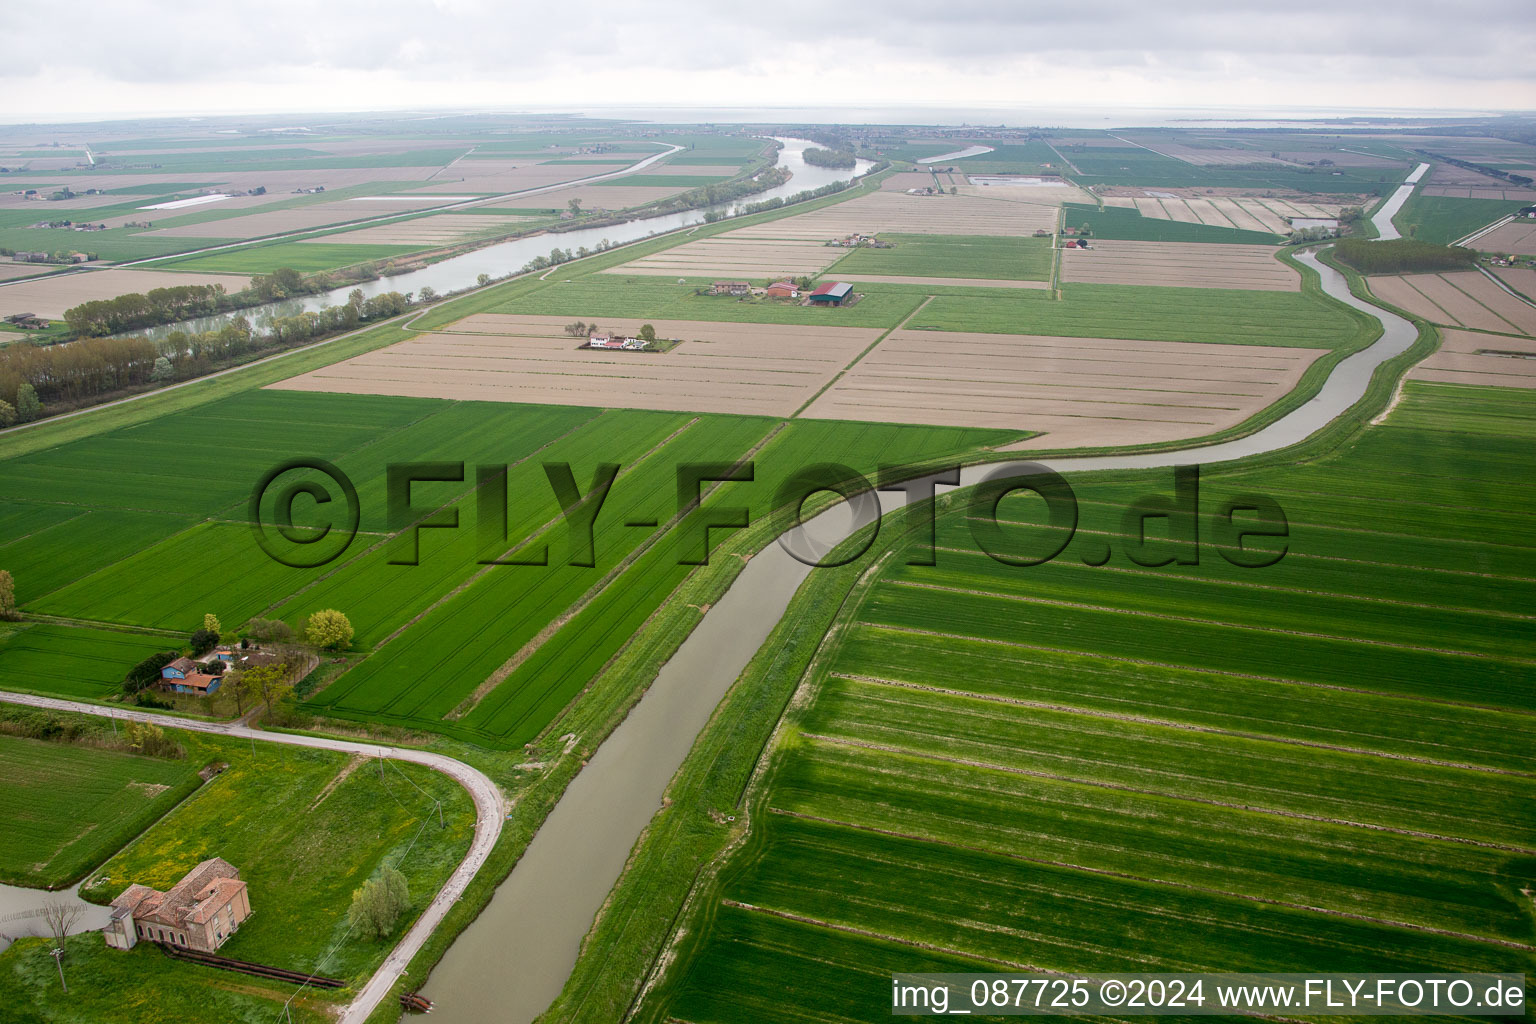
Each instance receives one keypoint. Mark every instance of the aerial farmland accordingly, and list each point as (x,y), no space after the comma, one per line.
(613,569)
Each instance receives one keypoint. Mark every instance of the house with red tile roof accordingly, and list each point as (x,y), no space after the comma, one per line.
(200,912)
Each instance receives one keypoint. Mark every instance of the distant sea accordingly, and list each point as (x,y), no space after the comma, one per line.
(1034,117)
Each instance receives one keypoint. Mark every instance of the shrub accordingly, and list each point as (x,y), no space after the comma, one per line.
(7,414)
(28,408)
(147,672)
(378,904)
(8,610)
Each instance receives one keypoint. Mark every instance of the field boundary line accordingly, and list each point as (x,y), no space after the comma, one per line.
(1148,879)
(1080,606)
(1019,645)
(1480,303)
(1123,788)
(856,359)
(1218,582)
(1166,723)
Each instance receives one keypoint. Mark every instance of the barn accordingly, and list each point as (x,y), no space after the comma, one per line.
(833,293)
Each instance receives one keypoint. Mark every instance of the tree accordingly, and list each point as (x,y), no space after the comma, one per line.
(428,294)
(28,408)
(329,630)
(577,329)
(211,623)
(203,641)
(483,280)
(8,610)
(378,903)
(7,414)
(647,333)
(60,916)
(268,682)
(575,206)
(240,689)
(163,371)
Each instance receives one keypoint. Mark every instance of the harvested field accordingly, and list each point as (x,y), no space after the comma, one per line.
(903,180)
(741,253)
(270,222)
(593,197)
(925,215)
(1081,391)
(51,296)
(1523,195)
(719,367)
(1468,358)
(496,176)
(1515,237)
(11,271)
(1207,213)
(1465,299)
(440,229)
(1179,264)
(1521,279)
(1203,156)
(973,282)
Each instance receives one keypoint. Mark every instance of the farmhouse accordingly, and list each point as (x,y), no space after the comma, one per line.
(833,293)
(200,912)
(730,288)
(182,676)
(26,321)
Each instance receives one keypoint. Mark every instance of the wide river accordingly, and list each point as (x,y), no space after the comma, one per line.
(513,960)
(505,258)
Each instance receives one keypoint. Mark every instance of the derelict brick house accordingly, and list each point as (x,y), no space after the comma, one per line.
(200,912)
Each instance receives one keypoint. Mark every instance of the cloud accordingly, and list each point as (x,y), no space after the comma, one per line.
(355,54)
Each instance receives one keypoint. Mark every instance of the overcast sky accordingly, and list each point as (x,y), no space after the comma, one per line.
(125,57)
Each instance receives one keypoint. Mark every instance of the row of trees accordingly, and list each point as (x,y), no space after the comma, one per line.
(79,372)
(136,311)
(1402,255)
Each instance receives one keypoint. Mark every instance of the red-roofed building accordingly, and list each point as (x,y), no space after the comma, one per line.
(200,912)
(783,290)
(182,676)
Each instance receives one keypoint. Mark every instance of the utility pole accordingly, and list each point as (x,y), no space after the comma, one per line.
(58,959)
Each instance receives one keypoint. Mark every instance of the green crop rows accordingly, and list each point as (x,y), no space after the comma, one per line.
(146,528)
(1320,765)
(67,808)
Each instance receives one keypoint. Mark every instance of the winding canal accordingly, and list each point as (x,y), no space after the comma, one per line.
(512,962)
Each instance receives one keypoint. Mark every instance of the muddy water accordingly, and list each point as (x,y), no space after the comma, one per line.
(1383,219)
(512,962)
(18,908)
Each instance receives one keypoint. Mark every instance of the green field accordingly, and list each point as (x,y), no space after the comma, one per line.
(1116,222)
(172,493)
(1321,765)
(72,661)
(1302,319)
(68,808)
(1442,219)
(1132,165)
(305,257)
(977,256)
(612,295)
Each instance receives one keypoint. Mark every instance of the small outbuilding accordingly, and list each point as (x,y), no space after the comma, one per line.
(782,290)
(833,293)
